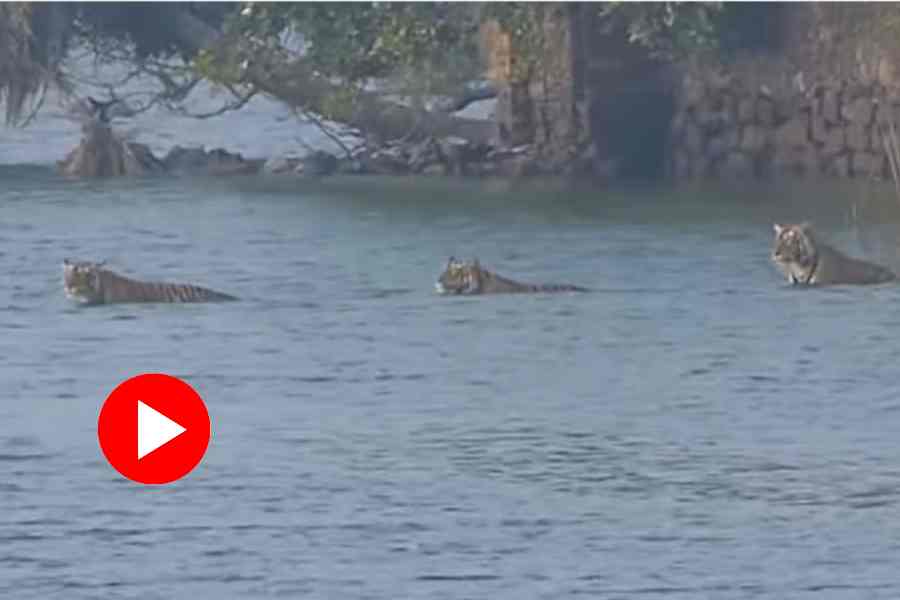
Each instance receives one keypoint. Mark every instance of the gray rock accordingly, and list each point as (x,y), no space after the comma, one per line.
(754,139)
(839,165)
(387,161)
(216,162)
(869,164)
(318,164)
(746,111)
(736,165)
(281,164)
(857,136)
(423,154)
(793,134)
(860,111)
(766,112)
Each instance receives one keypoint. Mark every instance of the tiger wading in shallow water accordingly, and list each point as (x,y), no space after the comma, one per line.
(90,283)
(469,278)
(806,261)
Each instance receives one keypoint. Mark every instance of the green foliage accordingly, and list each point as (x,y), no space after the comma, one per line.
(33,40)
(667,29)
(146,26)
(522,20)
(360,40)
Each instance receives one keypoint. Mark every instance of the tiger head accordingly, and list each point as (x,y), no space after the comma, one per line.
(794,245)
(460,277)
(81,281)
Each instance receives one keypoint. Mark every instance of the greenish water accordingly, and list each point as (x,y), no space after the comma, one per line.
(692,429)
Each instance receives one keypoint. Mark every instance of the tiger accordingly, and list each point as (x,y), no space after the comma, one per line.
(91,283)
(806,261)
(469,278)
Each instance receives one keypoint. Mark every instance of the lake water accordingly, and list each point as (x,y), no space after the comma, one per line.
(693,428)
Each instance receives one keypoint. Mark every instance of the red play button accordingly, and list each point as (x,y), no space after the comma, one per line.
(153,428)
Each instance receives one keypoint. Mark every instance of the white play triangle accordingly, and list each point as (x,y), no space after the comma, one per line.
(154,429)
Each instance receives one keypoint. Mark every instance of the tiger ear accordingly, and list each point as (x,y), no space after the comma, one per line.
(778,229)
(66,262)
(805,226)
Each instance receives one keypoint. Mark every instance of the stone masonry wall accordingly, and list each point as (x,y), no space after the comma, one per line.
(816,104)
(731,125)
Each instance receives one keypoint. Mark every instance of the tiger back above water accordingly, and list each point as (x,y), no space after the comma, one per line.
(805,260)
(91,283)
(469,278)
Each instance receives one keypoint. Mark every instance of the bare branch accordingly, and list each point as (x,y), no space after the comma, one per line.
(36,108)
(324,128)
(240,101)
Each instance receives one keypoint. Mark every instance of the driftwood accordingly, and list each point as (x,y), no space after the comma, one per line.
(102,153)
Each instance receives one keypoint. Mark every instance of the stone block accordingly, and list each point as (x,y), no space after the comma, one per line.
(859,111)
(831,107)
(869,165)
(754,138)
(857,137)
(793,133)
(839,165)
(765,112)
(693,139)
(736,165)
(746,111)
(719,145)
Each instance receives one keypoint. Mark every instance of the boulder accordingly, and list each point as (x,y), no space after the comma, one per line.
(435,169)
(281,164)
(318,164)
(182,158)
(351,166)
(214,162)
(423,154)
(386,161)
(458,153)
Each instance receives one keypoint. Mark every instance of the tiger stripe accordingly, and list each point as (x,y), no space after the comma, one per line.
(90,283)
(469,278)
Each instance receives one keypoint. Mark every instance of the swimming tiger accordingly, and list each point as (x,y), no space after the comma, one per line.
(806,261)
(469,278)
(90,283)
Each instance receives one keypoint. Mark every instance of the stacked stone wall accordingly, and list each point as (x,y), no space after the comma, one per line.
(727,127)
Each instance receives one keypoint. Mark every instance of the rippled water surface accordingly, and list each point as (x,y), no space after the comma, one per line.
(691,429)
